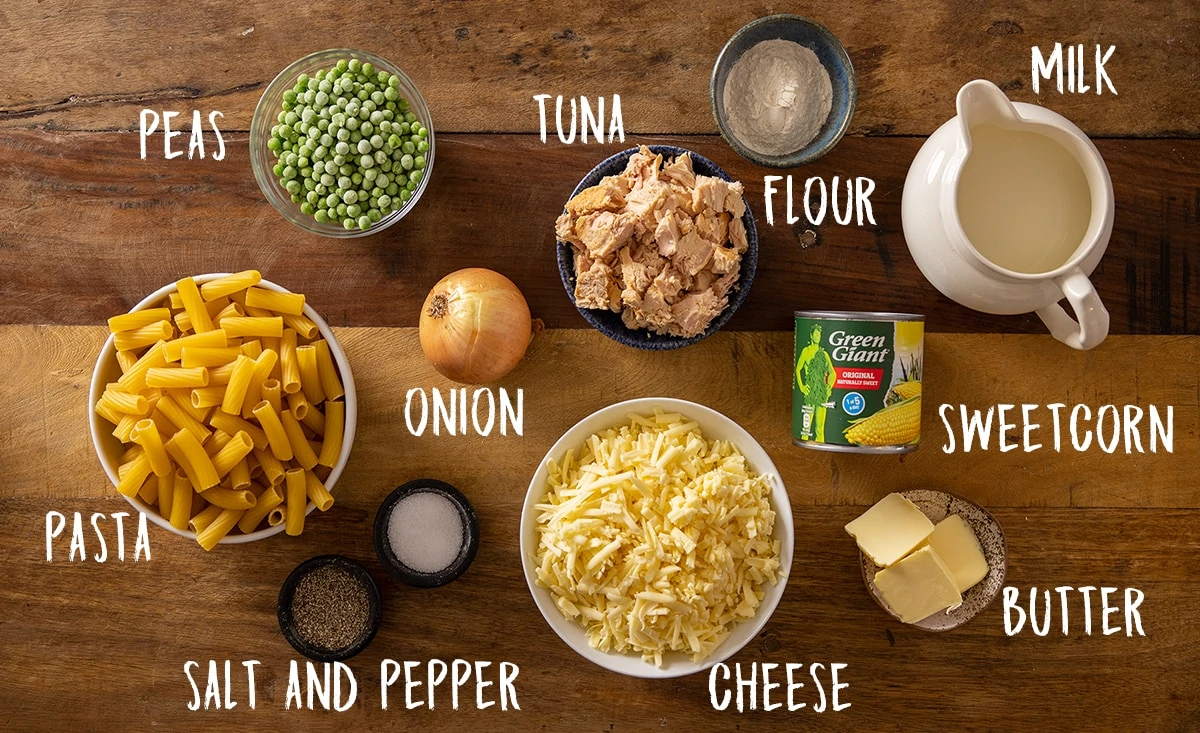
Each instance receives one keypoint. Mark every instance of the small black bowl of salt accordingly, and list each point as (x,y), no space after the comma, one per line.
(329,608)
(426,533)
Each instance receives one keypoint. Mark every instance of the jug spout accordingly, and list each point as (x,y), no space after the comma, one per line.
(981,102)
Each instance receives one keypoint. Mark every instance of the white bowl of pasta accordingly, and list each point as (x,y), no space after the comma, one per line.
(223,408)
(663,468)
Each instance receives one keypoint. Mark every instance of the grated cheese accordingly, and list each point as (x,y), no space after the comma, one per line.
(655,539)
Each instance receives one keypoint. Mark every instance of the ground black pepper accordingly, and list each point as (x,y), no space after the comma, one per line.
(330,608)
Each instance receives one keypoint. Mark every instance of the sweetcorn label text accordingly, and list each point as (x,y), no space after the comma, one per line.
(1111,428)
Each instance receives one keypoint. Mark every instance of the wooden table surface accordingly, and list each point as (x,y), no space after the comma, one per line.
(88,228)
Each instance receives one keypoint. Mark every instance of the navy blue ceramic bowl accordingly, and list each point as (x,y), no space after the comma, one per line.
(833,57)
(609,323)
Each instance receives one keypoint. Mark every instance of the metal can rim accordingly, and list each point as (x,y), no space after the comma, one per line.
(860,315)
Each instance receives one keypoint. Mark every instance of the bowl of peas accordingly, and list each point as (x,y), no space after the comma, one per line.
(341,143)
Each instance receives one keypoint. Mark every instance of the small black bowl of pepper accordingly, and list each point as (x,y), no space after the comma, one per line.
(329,608)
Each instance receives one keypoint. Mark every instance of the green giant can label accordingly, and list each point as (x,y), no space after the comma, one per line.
(856,381)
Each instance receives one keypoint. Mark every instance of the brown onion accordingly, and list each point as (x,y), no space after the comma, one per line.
(475,326)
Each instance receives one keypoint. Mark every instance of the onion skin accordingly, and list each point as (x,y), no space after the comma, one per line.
(475,326)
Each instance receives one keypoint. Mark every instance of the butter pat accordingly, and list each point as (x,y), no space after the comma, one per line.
(959,549)
(890,530)
(918,586)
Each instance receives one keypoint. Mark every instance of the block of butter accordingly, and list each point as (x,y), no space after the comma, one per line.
(890,530)
(959,549)
(918,586)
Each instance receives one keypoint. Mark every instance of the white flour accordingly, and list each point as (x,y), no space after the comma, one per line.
(777,97)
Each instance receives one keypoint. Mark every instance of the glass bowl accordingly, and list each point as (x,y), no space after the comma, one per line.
(262,159)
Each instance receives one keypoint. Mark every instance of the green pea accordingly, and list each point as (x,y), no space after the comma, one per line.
(405,194)
(307,208)
(289,96)
(364,223)
(385,201)
(355,178)
(332,200)
(321,216)
(293,187)
(406,162)
(419,161)
(274,144)
(348,223)
(342,65)
(374,215)
(341,209)
(364,146)
(390,94)
(366,128)
(423,146)
(354,65)
(353,210)
(414,179)
(392,189)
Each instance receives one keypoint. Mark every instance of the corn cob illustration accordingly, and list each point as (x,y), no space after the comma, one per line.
(897,424)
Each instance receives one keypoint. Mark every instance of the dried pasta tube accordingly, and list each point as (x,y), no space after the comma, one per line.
(189,294)
(204,397)
(189,454)
(276,516)
(204,518)
(268,499)
(297,500)
(182,418)
(300,447)
(335,424)
(310,380)
(137,319)
(263,364)
(239,477)
(252,326)
(177,377)
(272,469)
(277,437)
(298,405)
(207,356)
(213,339)
(140,338)
(134,378)
(238,447)
(125,402)
(146,435)
(317,491)
(135,473)
(287,363)
(271,392)
(181,502)
(229,498)
(330,382)
(211,535)
(314,421)
(273,300)
(232,424)
(149,491)
(301,324)
(230,284)
(239,382)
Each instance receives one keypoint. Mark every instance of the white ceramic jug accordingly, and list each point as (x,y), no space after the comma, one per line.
(948,259)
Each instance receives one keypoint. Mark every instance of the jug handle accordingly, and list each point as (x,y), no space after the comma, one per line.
(1090,324)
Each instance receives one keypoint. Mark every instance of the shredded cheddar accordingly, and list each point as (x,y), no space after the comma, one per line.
(656,539)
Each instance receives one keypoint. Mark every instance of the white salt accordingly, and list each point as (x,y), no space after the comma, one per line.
(425,531)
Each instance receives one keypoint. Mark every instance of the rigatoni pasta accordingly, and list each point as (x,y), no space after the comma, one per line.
(226,425)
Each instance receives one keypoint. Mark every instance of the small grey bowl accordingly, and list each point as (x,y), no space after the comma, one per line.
(609,323)
(833,57)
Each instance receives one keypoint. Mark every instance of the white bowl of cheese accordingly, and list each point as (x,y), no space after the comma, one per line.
(595,568)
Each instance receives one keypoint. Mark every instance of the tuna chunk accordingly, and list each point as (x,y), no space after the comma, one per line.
(667,235)
(692,254)
(604,232)
(695,311)
(680,171)
(564,229)
(592,287)
(725,259)
(737,233)
(713,227)
(709,193)
(735,204)
(608,195)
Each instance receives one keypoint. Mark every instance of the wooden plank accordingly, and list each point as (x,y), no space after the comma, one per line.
(112,639)
(478,64)
(93,229)
(745,375)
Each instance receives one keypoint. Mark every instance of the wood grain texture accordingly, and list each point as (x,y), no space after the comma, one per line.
(744,375)
(92,228)
(479,63)
(109,641)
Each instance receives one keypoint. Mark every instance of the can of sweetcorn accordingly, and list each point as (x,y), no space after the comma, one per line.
(856,382)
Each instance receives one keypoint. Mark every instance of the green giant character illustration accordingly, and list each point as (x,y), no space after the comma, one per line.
(815,377)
